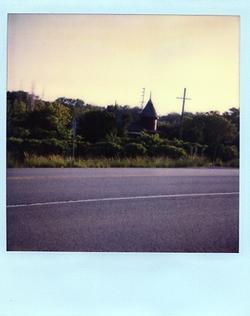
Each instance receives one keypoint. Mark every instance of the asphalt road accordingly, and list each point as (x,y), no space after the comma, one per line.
(128,210)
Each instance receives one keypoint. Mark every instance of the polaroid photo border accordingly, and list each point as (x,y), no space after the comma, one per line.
(39,283)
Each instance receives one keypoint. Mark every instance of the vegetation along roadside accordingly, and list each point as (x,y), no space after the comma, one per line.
(70,133)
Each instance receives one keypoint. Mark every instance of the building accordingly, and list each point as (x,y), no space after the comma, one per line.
(149,117)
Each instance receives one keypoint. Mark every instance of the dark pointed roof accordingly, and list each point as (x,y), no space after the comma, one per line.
(149,110)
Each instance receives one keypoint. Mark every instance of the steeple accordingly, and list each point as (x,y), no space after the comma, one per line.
(149,110)
(149,116)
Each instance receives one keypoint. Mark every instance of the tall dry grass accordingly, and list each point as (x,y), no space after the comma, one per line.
(57,161)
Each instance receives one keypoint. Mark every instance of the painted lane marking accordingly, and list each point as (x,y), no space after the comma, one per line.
(124,198)
(114,176)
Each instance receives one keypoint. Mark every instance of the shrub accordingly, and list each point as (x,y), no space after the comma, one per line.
(104,149)
(33,146)
(168,151)
(134,149)
(45,146)
(54,146)
(81,148)
(227,153)
(15,147)
(222,152)
(14,144)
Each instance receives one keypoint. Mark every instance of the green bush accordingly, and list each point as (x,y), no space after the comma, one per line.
(168,151)
(33,146)
(149,139)
(15,146)
(227,153)
(134,149)
(45,146)
(103,149)
(221,152)
(81,148)
(54,146)
(193,148)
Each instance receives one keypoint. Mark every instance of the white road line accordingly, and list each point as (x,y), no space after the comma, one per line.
(165,196)
(119,176)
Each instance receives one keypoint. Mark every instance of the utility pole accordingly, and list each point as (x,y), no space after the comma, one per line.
(32,101)
(74,136)
(182,112)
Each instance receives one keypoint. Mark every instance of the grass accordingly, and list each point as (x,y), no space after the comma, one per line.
(57,161)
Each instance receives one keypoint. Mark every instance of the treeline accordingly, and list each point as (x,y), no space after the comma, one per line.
(70,127)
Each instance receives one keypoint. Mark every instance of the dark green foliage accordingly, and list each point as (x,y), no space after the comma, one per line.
(171,118)
(193,148)
(227,153)
(209,128)
(123,125)
(20,97)
(212,130)
(124,112)
(233,115)
(169,125)
(96,125)
(76,103)
(16,118)
(51,121)
(45,146)
(134,149)
(168,131)
(46,128)
(103,149)
(168,151)
(15,146)
(81,146)
(193,129)
(37,146)
(223,152)
(217,130)
(44,120)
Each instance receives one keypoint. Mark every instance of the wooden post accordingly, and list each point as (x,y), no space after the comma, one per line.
(182,111)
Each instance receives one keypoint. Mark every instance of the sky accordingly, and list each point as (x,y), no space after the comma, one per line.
(103,59)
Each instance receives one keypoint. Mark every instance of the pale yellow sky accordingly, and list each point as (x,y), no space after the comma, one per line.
(103,58)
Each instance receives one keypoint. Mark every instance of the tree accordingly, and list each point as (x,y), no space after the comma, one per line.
(16,118)
(233,115)
(193,129)
(210,129)
(77,103)
(217,129)
(96,125)
(52,121)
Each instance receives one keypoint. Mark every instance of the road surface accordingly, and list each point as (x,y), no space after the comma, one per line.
(123,210)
